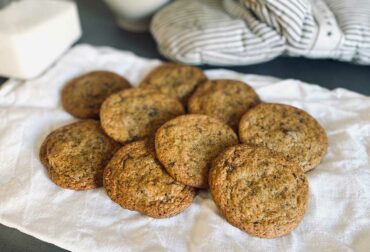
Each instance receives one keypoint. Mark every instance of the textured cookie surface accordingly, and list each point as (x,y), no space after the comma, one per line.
(83,96)
(136,180)
(258,190)
(135,113)
(226,100)
(174,80)
(75,155)
(187,144)
(287,130)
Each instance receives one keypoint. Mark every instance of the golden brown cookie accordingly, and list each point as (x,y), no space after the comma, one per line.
(136,180)
(187,144)
(174,80)
(226,100)
(258,190)
(83,95)
(287,130)
(75,155)
(135,113)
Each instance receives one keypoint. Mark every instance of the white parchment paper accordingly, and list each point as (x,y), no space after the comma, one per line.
(337,217)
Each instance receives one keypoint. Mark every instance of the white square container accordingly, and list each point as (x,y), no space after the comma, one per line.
(34,34)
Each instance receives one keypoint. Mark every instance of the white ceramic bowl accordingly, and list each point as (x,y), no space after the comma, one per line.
(135,15)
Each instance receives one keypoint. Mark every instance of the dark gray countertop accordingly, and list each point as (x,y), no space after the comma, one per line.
(100,29)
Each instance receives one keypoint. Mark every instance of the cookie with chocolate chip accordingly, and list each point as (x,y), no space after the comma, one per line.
(174,80)
(136,180)
(75,155)
(136,113)
(187,144)
(258,191)
(83,95)
(226,100)
(288,130)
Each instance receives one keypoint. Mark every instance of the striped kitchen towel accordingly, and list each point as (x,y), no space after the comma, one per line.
(241,32)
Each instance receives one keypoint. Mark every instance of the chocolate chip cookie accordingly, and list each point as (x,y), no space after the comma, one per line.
(75,155)
(187,144)
(258,190)
(83,96)
(287,130)
(136,113)
(136,180)
(174,80)
(226,100)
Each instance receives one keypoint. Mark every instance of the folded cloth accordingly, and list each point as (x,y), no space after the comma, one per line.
(336,219)
(238,32)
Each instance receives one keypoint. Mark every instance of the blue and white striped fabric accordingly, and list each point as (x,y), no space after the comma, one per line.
(239,32)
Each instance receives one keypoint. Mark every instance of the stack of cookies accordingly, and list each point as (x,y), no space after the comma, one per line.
(152,147)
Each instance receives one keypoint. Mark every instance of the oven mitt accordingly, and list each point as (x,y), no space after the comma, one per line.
(241,32)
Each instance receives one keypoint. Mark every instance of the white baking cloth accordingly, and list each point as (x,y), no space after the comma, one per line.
(337,217)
